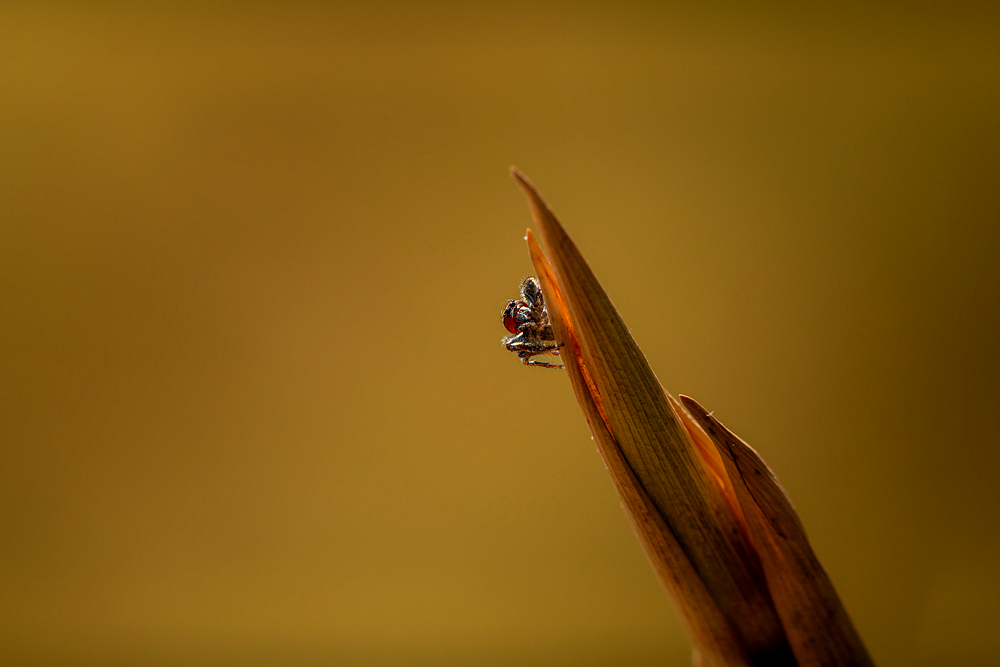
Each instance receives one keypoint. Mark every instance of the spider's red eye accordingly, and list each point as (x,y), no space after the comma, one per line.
(508,317)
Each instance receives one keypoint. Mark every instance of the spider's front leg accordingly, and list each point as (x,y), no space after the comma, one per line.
(515,343)
(528,328)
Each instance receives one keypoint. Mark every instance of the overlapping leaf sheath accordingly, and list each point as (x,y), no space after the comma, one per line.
(815,621)
(675,485)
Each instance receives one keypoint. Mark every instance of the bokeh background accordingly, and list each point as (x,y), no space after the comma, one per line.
(252,259)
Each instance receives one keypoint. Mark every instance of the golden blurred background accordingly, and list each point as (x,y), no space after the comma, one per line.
(252,260)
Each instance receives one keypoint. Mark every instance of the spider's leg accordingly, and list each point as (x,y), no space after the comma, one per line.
(542,348)
(531,348)
(537,349)
(513,343)
(527,326)
(541,364)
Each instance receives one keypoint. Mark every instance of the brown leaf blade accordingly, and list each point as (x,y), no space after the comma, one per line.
(681,509)
(818,627)
(713,636)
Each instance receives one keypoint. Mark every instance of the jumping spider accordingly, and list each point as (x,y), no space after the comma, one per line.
(528,320)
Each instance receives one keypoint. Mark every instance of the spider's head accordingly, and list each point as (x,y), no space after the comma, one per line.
(509,315)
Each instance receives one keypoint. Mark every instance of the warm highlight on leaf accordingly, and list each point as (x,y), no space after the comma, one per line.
(557,309)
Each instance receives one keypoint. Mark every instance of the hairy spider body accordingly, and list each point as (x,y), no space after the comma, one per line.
(528,320)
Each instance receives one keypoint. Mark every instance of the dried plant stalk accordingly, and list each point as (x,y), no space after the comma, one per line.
(674,478)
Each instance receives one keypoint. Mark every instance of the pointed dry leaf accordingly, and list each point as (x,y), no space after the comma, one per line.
(713,636)
(671,487)
(715,522)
